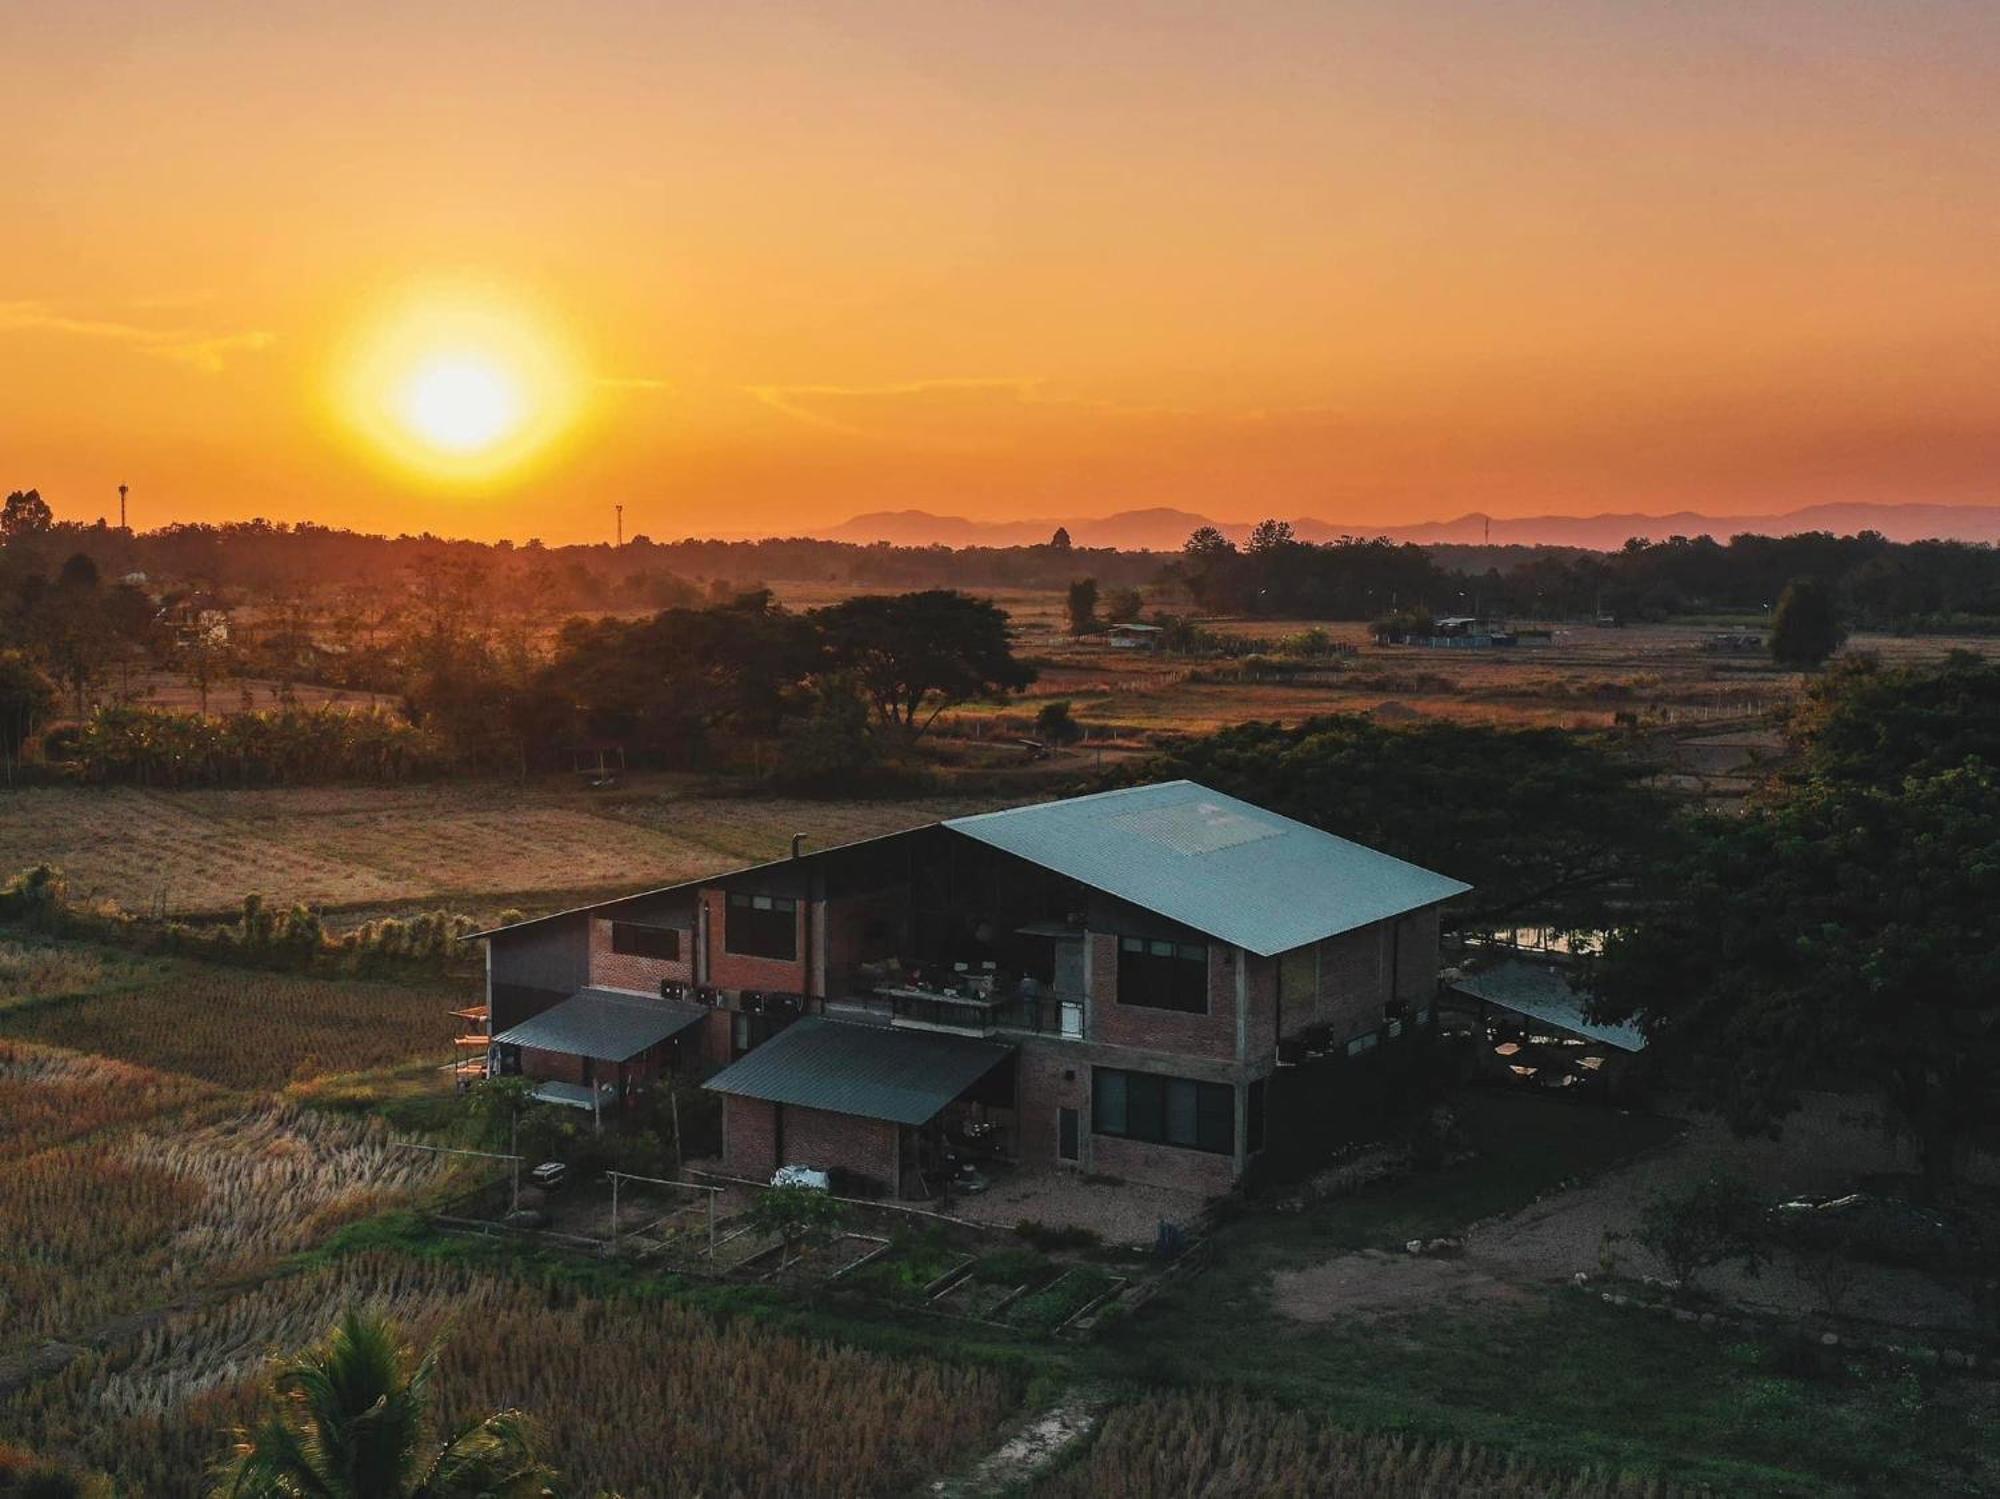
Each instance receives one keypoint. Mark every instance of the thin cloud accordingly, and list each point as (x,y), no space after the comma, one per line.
(633,382)
(802,401)
(196,348)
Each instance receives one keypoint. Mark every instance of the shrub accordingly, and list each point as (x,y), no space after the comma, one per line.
(1713,1222)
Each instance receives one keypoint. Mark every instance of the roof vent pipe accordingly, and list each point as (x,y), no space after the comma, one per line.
(798,844)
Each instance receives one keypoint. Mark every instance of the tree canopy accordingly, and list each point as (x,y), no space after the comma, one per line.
(1806,628)
(1843,933)
(1545,825)
(915,654)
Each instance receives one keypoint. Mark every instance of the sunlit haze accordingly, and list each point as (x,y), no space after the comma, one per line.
(491,269)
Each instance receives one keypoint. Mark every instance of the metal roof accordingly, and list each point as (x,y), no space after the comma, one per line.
(604,1024)
(873,1071)
(1214,863)
(1544,992)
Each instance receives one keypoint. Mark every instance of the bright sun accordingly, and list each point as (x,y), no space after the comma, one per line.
(460,403)
(459,384)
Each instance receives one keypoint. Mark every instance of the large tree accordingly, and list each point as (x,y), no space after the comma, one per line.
(353,1419)
(1841,934)
(916,654)
(1806,628)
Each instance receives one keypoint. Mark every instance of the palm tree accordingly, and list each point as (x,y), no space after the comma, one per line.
(351,1419)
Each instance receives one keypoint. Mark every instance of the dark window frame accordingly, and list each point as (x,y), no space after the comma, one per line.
(1157,974)
(764,917)
(630,939)
(1154,1108)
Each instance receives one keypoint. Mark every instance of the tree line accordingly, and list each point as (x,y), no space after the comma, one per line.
(1875,583)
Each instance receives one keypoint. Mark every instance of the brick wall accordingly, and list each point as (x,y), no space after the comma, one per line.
(749,1137)
(1210,1035)
(1353,981)
(1162,1165)
(842,1142)
(1260,1048)
(615,970)
(1417,966)
(812,1137)
(1043,1089)
(551,1066)
(727,970)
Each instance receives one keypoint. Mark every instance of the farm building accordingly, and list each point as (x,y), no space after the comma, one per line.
(1133,636)
(1109,984)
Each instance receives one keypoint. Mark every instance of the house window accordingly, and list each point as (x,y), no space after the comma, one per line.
(637,941)
(1163,1110)
(1163,975)
(762,926)
(1365,1042)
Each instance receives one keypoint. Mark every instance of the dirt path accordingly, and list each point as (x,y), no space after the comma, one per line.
(1030,1450)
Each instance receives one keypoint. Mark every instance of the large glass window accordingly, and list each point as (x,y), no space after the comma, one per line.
(1163,975)
(635,940)
(762,926)
(1163,1110)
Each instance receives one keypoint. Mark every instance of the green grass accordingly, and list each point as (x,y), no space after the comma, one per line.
(1549,1373)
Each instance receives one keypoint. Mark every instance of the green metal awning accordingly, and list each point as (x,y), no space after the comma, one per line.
(871,1071)
(1543,991)
(603,1024)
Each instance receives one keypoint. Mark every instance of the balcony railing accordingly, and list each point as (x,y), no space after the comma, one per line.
(1047,1015)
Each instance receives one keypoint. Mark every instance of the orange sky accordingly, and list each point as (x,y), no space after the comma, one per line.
(1374,262)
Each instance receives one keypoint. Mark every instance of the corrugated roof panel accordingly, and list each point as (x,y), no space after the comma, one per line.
(1543,991)
(1214,863)
(873,1071)
(603,1024)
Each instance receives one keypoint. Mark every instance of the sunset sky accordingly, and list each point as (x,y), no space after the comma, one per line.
(487,268)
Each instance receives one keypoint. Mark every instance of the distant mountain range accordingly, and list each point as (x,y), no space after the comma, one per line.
(1164,529)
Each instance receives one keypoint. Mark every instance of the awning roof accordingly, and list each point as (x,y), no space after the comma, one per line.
(604,1024)
(873,1071)
(1214,863)
(1542,991)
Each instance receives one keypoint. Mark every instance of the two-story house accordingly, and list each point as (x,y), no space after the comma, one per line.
(1109,983)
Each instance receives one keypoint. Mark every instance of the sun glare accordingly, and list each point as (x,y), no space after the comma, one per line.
(460,404)
(457,385)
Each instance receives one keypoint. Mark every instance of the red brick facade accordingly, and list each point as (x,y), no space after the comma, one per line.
(1120,1024)
(728,970)
(755,1134)
(615,970)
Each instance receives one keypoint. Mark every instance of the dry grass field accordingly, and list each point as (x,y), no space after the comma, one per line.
(123,1187)
(471,847)
(641,1397)
(248,1030)
(1585,678)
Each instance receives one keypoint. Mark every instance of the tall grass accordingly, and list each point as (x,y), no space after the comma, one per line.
(640,1396)
(1217,1445)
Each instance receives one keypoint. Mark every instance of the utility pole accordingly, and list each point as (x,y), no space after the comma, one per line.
(121,507)
(621,523)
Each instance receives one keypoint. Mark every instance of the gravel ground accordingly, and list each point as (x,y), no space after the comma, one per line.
(1125,1213)
(1825,1149)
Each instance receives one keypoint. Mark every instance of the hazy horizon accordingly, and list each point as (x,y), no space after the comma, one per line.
(488,270)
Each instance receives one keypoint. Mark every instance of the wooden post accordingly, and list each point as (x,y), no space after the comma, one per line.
(674,1103)
(515,1149)
(711,1223)
(614,1210)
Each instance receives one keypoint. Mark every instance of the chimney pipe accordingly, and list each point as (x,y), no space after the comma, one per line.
(798,844)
